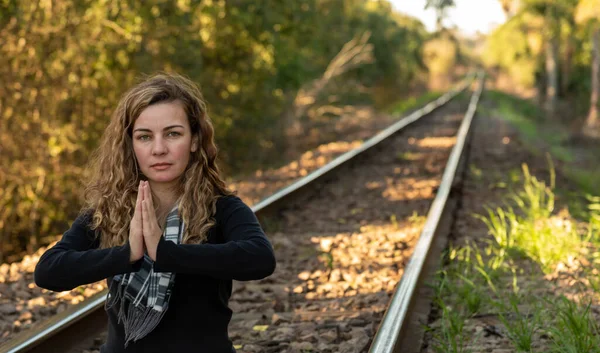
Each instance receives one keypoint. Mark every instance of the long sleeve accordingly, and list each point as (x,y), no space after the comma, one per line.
(75,259)
(245,254)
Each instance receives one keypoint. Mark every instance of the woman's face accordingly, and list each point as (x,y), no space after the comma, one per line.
(162,141)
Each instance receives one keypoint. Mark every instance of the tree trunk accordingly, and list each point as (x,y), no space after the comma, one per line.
(591,127)
(438,20)
(552,74)
(566,67)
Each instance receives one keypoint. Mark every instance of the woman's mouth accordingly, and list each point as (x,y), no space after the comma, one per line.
(160,166)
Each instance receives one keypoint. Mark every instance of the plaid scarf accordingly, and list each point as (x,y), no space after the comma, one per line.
(144,295)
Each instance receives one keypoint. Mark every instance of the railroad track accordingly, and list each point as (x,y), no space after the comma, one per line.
(344,235)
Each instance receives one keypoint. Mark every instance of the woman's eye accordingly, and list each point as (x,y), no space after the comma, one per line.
(173,133)
(143,137)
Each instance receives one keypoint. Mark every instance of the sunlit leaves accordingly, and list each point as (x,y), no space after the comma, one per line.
(517,46)
(65,64)
(587,10)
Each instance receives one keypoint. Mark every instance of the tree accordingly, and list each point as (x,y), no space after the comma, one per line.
(588,13)
(64,65)
(556,14)
(510,7)
(552,43)
(353,54)
(440,7)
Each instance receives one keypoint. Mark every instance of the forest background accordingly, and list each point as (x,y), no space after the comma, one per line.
(269,70)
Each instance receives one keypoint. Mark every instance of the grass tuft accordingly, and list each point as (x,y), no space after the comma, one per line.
(531,228)
(574,330)
(520,326)
(449,337)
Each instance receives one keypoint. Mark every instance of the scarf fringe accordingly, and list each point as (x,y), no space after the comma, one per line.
(144,320)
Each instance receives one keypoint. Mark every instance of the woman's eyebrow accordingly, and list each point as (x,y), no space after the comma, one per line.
(166,128)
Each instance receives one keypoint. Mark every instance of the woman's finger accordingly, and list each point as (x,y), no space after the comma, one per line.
(151,213)
(151,231)
(145,216)
(137,214)
(148,195)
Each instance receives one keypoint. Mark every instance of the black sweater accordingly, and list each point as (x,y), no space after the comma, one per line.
(198,314)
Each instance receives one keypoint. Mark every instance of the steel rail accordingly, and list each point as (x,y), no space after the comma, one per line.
(381,136)
(32,338)
(393,325)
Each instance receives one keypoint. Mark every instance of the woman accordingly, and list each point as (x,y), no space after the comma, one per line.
(160,225)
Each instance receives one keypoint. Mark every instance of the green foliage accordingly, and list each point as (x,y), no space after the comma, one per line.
(449,336)
(516,47)
(574,330)
(533,229)
(398,42)
(440,7)
(594,212)
(468,274)
(65,65)
(520,326)
(539,133)
(514,108)
(440,54)
(411,103)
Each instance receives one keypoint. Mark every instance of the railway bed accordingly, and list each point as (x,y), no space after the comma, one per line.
(343,239)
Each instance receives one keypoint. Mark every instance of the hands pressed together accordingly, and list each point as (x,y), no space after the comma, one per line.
(144,232)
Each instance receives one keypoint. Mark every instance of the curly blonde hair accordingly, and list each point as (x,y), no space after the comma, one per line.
(112,188)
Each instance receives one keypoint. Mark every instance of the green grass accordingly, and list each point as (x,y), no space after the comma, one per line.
(520,326)
(449,336)
(562,153)
(460,292)
(538,134)
(483,279)
(587,180)
(408,156)
(529,225)
(594,218)
(528,119)
(412,103)
(515,105)
(528,234)
(573,329)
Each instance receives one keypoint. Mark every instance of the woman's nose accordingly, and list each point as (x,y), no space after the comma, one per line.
(159,147)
